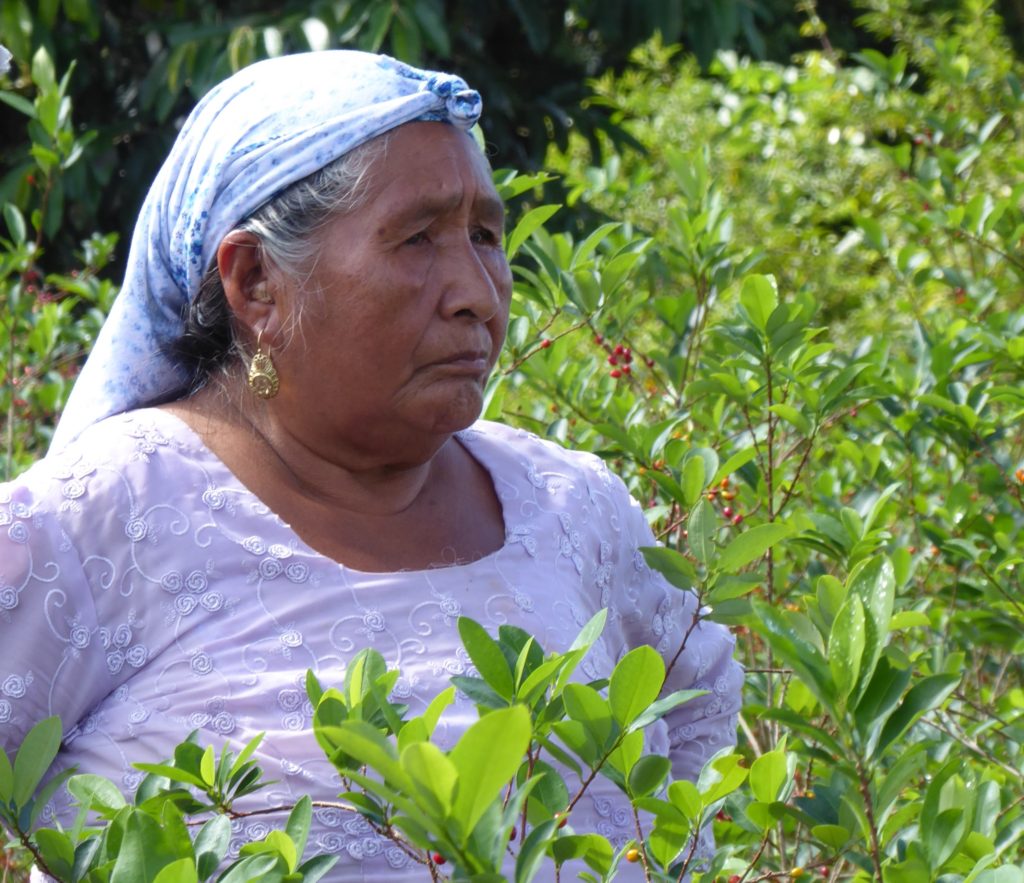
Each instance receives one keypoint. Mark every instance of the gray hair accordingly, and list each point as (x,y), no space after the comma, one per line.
(285,228)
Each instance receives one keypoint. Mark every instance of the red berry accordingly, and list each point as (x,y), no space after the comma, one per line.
(737,519)
(613,360)
(627,370)
(620,350)
(727,511)
(628,357)
(598,339)
(545,343)
(438,859)
(616,373)
(650,363)
(735,878)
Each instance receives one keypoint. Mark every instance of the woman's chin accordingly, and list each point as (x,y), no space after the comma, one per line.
(453,413)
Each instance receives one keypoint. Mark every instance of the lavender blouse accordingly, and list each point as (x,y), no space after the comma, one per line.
(144,593)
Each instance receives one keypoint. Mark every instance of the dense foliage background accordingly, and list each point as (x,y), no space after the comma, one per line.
(775,275)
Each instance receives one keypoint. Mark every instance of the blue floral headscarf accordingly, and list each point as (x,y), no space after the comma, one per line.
(264,128)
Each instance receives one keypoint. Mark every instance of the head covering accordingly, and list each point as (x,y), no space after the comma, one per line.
(268,126)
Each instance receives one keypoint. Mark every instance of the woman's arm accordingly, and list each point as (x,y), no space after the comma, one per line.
(52,659)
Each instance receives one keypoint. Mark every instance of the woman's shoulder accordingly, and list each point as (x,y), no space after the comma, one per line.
(121,456)
(524,447)
(530,465)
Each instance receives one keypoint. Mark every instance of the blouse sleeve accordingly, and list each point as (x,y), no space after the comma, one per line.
(656,613)
(52,660)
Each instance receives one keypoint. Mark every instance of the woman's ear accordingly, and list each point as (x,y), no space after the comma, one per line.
(247,286)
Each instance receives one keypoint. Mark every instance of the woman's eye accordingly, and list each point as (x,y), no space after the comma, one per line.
(416,239)
(485,236)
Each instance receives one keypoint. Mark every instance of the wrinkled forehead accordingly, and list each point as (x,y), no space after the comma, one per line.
(435,167)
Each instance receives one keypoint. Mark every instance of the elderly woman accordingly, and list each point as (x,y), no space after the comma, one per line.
(273,459)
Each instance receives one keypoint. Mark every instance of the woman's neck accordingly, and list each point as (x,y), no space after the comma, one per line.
(270,460)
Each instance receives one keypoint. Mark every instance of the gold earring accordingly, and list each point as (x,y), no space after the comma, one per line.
(263,380)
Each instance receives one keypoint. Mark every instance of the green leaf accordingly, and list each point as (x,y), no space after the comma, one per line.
(874,582)
(6,778)
(792,646)
(588,707)
(660,707)
(181,871)
(97,793)
(686,797)
(925,695)
(833,836)
(42,71)
(207,767)
(22,105)
(693,480)
(249,869)
(530,222)
(172,773)
(594,849)
(297,826)
(648,775)
(625,756)
(57,851)
(478,690)
(846,646)
(245,754)
(751,545)
(15,223)
(590,632)
(315,869)
(487,757)
(768,775)
(669,834)
(145,850)
(433,774)
(366,744)
(879,698)
(719,778)
(700,529)
(635,683)
(759,297)
(793,416)
(944,835)
(212,845)
(486,655)
(44,794)
(533,850)
(361,674)
(671,565)
(314,691)
(34,757)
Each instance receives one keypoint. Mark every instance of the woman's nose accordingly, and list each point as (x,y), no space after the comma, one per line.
(474,280)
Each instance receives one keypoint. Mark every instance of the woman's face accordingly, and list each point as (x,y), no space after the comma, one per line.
(406,304)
